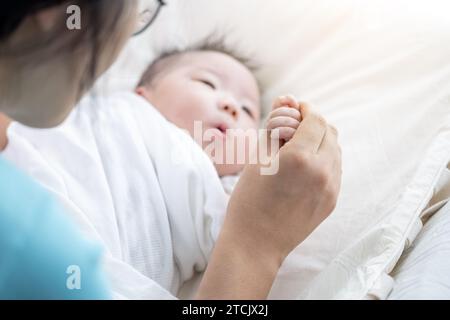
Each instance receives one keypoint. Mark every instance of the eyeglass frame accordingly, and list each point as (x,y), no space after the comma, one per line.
(161,4)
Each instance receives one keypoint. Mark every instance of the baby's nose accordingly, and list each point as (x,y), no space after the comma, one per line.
(230,108)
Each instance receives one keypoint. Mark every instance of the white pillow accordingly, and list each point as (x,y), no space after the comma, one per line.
(378,70)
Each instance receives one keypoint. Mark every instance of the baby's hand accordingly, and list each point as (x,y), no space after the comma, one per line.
(285,117)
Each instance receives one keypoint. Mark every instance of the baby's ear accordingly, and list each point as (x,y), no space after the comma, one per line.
(146,93)
(143,91)
(140,91)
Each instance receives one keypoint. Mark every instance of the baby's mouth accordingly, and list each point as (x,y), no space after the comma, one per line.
(222,128)
(219,129)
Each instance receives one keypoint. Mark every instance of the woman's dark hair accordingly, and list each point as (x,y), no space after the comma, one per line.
(99,19)
(12,14)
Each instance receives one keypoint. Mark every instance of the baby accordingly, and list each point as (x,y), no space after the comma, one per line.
(209,88)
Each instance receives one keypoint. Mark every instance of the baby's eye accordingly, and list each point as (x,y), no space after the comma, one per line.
(208,83)
(248,111)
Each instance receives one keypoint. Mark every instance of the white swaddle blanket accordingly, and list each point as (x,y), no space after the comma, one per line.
(115,163)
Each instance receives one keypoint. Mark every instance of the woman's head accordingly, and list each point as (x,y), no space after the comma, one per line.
(45,66)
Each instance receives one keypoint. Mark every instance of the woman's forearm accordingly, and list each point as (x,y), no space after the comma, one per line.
(238,271)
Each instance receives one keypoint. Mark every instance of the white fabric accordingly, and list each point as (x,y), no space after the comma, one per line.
(423,271)
(229,182)
(361,271)
(134,182)
(378,70)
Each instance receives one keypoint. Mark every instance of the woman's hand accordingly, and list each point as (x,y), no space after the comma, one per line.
(269,215)
(281,210)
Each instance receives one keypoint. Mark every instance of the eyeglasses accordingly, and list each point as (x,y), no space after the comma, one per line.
(148,11)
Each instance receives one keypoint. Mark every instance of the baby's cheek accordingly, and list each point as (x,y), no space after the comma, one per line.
(249,124)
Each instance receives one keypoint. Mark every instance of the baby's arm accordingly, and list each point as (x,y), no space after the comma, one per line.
(285,117)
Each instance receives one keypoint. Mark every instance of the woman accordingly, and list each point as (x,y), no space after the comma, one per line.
(35,47)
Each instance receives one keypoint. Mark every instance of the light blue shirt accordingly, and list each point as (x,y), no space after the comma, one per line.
(42,255)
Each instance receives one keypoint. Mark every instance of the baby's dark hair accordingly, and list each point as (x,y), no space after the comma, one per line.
(211,43)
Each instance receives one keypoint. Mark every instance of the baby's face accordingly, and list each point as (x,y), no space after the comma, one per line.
(210,87)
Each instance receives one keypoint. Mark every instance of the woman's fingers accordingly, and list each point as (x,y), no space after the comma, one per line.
(310,132)
(330,146)
(331,155)
(334,173)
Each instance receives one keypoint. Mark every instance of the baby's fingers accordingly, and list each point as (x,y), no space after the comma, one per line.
(286,112)
(284,133)
(279,122)
(284,101)
(282,128)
